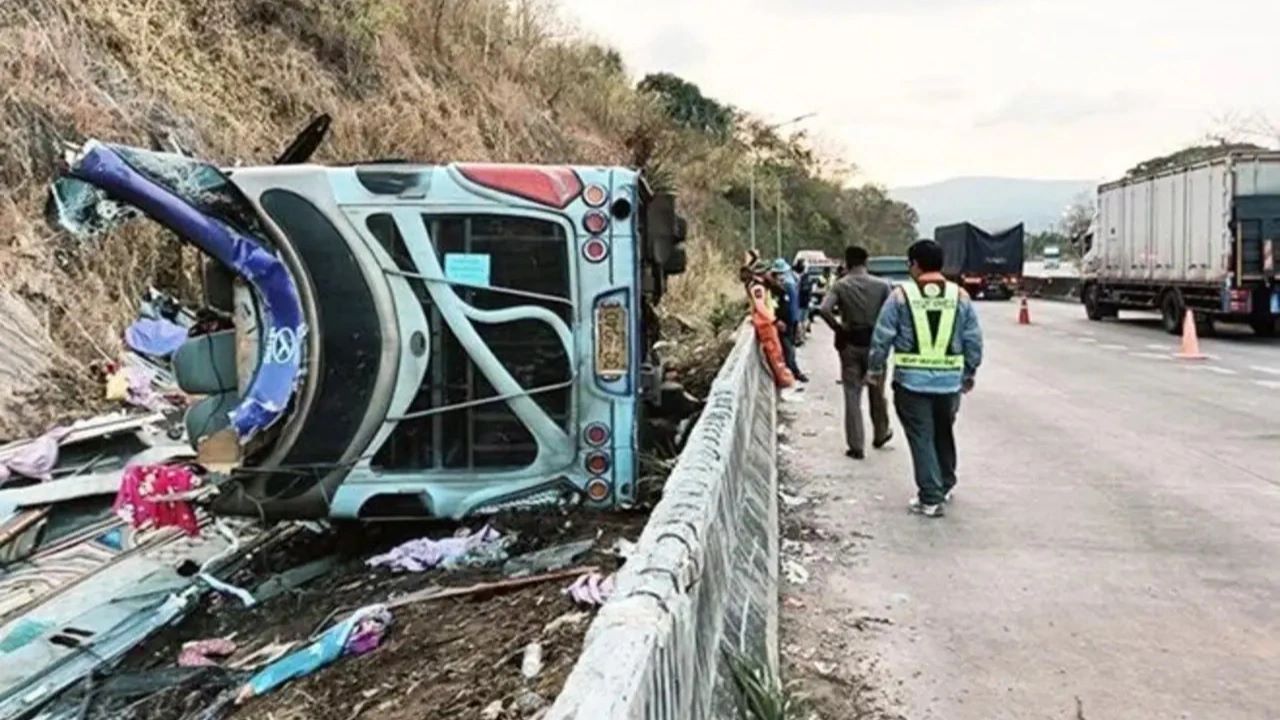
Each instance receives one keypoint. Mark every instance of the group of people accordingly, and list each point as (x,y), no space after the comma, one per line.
(929,326)
(780,287)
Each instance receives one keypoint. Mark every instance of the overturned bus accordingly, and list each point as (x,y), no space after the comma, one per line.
(406,340)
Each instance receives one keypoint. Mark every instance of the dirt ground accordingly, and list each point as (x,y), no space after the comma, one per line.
(826,661)
(447,658)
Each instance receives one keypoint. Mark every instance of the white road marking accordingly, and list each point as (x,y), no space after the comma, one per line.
(1111,346)
(1086,340)
(1268,384)
(1151,356)
(1265,370)
(1157,346)
(1214,369)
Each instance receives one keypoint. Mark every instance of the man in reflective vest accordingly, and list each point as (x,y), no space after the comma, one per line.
(932,328)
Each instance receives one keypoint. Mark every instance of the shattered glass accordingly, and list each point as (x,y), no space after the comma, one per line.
(201,185)
(85,210)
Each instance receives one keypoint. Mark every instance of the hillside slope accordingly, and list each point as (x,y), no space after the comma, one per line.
(234,80)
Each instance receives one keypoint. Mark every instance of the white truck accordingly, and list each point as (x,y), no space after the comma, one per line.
(1052,257)
(1201,236)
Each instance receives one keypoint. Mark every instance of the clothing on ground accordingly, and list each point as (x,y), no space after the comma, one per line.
(928,421)
(159,338)
(426,553)
(895,330)
(136,501)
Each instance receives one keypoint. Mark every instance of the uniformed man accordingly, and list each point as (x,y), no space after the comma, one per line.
(932,327)
(850,307)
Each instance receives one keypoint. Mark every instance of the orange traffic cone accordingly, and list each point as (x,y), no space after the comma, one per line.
(1024,313)
(1190,342)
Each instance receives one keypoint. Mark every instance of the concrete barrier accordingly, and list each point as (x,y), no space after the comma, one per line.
(704,579)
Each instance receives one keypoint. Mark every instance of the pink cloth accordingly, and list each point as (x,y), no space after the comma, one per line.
(36,459)
(141,483)
(197,652)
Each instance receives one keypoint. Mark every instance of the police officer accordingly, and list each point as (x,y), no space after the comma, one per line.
(851,308)
(932,328)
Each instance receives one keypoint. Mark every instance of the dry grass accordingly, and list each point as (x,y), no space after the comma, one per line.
(233,80)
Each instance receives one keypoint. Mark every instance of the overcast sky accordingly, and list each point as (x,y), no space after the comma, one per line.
(915,91)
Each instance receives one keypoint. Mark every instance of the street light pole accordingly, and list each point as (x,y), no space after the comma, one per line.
(779,218)
(775,126)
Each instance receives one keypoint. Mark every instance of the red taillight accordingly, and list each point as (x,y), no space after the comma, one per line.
(595,250)
(596,434)
(595,196)
(595,222)
(556,186)
(598,490)
(597,463)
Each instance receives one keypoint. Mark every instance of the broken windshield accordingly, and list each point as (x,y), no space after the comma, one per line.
(107,184)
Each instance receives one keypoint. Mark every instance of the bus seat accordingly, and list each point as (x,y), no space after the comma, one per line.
(210,415)
(206,364)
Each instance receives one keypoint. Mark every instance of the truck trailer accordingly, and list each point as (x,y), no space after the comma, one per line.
(1199,236)
(987,265)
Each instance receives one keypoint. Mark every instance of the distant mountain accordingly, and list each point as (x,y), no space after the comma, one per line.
(992,203)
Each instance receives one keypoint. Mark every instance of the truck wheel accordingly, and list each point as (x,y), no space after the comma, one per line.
(1094,308)
(1171,312)
(1263,326)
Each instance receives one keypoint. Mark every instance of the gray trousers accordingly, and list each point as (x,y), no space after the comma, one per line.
(929,422)
(853,377)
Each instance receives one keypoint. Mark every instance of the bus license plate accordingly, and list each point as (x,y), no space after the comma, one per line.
(611,341)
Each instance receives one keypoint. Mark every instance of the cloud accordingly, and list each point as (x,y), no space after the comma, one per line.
(1043,108)
(677,48)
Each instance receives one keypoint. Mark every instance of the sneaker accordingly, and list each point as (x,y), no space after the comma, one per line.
(855,454)
(947,498)
(878,444)
(802,377)
(930,511)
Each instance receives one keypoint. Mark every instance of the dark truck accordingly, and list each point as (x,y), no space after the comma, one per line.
(987,265)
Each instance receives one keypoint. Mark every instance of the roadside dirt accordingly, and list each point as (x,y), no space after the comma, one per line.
(826,660)
(441,659)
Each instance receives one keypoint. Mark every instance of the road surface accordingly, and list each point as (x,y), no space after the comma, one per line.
(1113,551)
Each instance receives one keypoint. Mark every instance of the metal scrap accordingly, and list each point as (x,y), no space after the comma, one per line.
(547,559)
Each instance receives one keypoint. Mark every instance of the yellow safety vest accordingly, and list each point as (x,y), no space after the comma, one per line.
(933,351)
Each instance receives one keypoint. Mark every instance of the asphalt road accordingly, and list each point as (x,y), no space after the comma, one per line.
(1113,551)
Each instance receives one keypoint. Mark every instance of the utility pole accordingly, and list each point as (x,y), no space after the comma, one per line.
(775,126)
(779,218)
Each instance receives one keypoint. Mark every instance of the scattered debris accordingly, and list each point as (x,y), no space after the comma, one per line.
(33,459)
(485,587)
(790,500)
(156,337)
(293,578)
(570,618)
(493,711)
(358,634)
(591,589)
(426,553)
(142,485)
(531,662)
(200,653)
(624,548)
(528,701)
(548,559)
(795,572)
